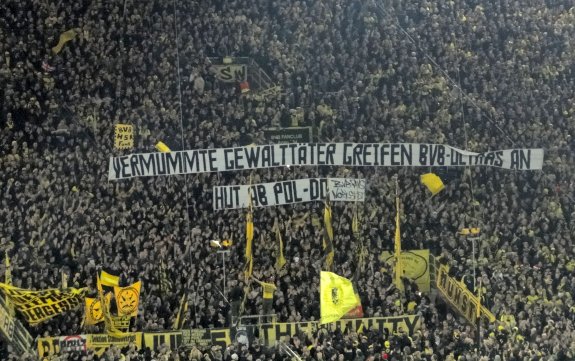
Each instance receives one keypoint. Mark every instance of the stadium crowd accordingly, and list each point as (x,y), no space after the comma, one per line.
(478,75)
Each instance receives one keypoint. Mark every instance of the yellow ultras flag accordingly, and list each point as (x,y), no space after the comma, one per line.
(42,305)
(94,312)
(328,235)
(249,239)
(128,299)
(397,249)
(64,38)
(8,271)
(432,182)
(109,280)
(280,260)
(337,297)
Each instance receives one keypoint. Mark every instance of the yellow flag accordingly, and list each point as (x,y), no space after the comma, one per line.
(180,317)
(328,235)
(337,297)
(111,330)
(64,38)
(41,305)
(8,272)
(397,249)
(161,147)
(432,182)
(128,299)
(94,312)
(249,239)
(280,261)
(109,280)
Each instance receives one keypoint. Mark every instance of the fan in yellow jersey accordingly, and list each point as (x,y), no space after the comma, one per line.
(268,296)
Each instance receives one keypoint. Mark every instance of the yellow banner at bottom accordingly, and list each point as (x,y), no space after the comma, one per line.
(48,346)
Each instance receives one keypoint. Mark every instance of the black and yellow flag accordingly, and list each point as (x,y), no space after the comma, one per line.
(249,239)
(111,329)
(94,312)
(328,235)
(42,305)
(128,299)
(337,297)
(182,310)
(280,260)
(109,280)
(397,249)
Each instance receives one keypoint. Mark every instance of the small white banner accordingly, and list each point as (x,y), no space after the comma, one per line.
(289,192)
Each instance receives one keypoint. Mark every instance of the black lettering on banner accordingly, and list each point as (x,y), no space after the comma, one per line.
(125,166)
(357,150)
(283,329)
(261,195)
(347,158)
(277,191)
(134,165)
(191,162)
(330,151)
(219,338)
(252,156)
(283,150)
(274,162)
(238,158)
(394,323)
(499,158)
(520,160)
(228,163)
(174,161)
(323,186)
(147,164)
(314,189)
(213,159)
(320,154)
(266,157)
(266,331)
(226,73)
(302,155)
(380,324)
(161,163)
(288,190)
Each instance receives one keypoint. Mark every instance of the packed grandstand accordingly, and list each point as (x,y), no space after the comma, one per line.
(479,76)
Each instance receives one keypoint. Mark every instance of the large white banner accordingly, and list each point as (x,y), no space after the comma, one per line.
(314,154)
(289,192)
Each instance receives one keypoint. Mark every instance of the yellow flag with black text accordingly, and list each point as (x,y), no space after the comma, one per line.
(337,297)
(94,312)
(128,299)
(42,305)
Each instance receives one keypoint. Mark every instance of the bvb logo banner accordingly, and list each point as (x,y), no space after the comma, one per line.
(128,299)
(415,265)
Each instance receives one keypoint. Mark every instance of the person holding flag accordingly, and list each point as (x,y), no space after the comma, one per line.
(268,289)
